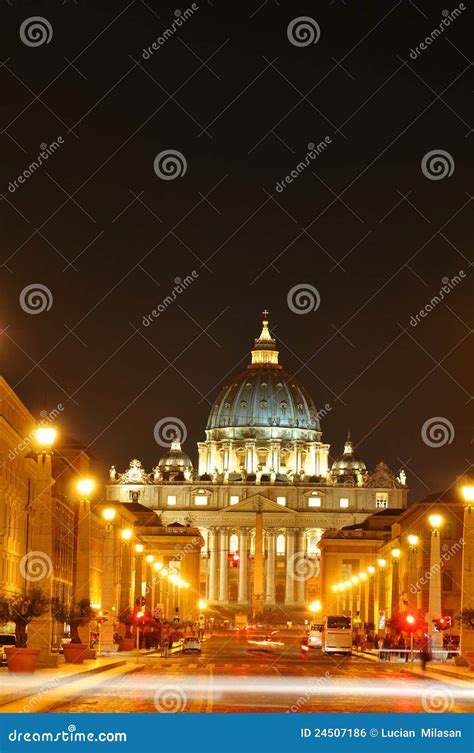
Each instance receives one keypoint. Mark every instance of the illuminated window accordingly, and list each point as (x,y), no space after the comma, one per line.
(280,544)
(171,499)
(234,499)
(344,502)
(381,500)
(202,501)
(313,540)
(281,501)
(233,543)
(314,502)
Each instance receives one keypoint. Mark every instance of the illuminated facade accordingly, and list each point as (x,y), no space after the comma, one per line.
(263,451)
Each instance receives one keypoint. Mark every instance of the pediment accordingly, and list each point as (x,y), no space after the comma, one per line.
(257,503)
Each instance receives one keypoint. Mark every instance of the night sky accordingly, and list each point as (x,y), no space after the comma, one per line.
(365,224)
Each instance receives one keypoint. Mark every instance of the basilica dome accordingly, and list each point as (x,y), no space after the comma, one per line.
(175,460)
(264,397)
(347,469)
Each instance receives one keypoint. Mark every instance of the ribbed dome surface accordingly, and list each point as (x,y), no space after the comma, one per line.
(175,460)
(263,396)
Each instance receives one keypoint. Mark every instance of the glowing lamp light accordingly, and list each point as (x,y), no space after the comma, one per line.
(139,548)
(315,606)
(468,493)
(396,553)
(435,521)
(126,534)
(410,619)
(371,569)
(381,562)
(348,584)
(412,539)
(109,514)
(164,573)
(363,576)
(355,579)
(45,436)
(202,604)
(334,588)
(158,566)
(85,486)
(342,586)
(149,558)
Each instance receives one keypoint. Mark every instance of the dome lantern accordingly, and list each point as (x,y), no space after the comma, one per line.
(264,350)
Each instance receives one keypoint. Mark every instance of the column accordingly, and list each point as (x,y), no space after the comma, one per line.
(138,575)
(270,569)
(275,456)
(224,564)
(300,582)
(290,566)
(363,600)
(250,456)
(203,458)
(108,589)
(395,586)
(40,632)
(310,464)
(371,599)
(467,584)
(243,566)
(212,595)
(125,577)
(434,603)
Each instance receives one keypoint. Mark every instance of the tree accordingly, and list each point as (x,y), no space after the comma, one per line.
(74,615)
(466,618)
(21,609)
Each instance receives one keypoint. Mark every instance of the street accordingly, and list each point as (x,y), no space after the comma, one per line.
(229,676)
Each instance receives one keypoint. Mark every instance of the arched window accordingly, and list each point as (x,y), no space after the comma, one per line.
(448,580)
(280,544)
(233,543)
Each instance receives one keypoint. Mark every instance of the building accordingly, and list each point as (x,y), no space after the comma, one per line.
(262,453)
(407,563)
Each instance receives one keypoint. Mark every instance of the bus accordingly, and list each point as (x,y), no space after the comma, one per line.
(315,634)
(337,635)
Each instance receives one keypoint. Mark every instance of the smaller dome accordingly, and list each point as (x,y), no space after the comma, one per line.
(175,460)
(347,469)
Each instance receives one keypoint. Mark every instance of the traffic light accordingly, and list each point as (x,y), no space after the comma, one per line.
(234,559)
(442,623)
(101,616)
(410,622)
(139,617)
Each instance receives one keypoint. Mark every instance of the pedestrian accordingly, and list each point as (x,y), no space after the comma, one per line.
(165,635)
(376,642)
(425,652)
(386,645)
(402,647)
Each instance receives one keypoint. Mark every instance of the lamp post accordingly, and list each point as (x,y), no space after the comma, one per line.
(138,573)
(362,597)
(467,582)
(412,567)
(125,570)
(395,589)
(434,601)
(371,605)
(40,633)
(157,567)
(149,559)
(315,608)
(381,563)
(355,606)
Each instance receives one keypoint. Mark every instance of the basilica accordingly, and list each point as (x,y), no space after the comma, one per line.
(263,457)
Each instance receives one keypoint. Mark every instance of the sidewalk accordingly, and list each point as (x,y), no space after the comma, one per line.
(435,669)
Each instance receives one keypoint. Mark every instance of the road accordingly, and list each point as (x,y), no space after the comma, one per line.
(229,677)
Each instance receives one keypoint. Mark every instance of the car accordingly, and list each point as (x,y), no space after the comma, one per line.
(6,639)
(264,643)
(191,644)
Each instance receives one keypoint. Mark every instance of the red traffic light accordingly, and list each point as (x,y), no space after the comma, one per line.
(139,616)
(442,623)
(234,558)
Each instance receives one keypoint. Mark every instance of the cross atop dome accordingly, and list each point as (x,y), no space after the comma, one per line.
(264,351)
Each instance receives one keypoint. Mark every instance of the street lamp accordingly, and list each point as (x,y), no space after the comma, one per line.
(202,604)
(434,600)
(157,566)
(149,558)
(85,487)
(139,548)
(315,607)
(109,514)
(413,540)
(126,534)
(45,437)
